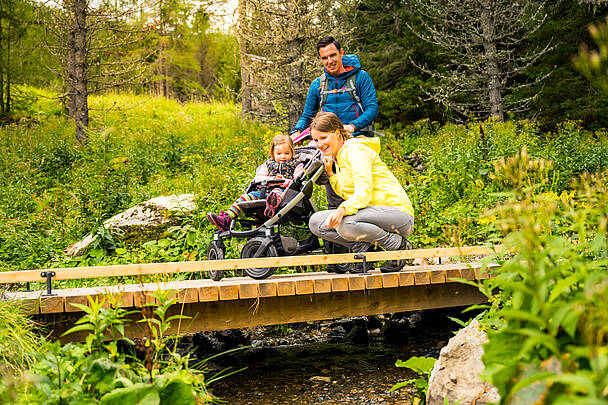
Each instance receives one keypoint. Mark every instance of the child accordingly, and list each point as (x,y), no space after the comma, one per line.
(282,165)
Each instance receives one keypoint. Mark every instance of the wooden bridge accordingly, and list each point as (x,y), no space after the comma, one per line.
(244,302)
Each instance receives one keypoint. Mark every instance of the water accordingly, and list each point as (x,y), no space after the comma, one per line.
(314,364)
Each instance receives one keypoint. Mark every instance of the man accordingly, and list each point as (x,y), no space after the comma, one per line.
(344,89)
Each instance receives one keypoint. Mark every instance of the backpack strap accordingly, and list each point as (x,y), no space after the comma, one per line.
(350,88)
(323,92)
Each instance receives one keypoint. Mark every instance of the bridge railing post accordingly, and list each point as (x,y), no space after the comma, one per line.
(49,282)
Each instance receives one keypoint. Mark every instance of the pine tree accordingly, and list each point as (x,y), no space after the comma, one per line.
(485,41)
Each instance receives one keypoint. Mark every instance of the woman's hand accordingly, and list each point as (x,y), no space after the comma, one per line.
(335,218)
(328,161)
(350,128)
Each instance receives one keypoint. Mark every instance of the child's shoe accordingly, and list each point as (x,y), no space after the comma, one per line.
(272,202)
(221,221)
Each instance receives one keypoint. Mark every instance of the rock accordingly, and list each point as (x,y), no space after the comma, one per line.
(357,335)
(455,375)
(141,222)
(320,378)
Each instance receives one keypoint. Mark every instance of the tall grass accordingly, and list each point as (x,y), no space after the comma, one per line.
(18,339)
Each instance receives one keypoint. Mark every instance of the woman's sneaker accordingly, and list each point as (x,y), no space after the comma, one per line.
(272,203)
(391,266)
(221,221)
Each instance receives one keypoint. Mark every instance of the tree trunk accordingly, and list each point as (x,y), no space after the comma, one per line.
(294,51)
(78,107)
(245,74)
(7,103)
(491,60)
(1,67)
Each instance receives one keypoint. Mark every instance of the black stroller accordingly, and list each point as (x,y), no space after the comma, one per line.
(264,235)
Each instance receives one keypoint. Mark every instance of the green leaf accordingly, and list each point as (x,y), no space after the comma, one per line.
(78,328)
(420,365)
(400,385)
(177,392)
(136,394)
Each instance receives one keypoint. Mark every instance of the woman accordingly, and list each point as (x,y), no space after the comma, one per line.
(376,210)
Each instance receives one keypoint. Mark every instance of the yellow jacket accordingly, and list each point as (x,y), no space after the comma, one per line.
(363,179)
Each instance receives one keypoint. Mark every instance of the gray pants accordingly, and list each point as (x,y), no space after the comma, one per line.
(377,224)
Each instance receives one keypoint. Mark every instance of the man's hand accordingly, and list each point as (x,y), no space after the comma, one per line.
(328,162)
(335,218)
(350,128)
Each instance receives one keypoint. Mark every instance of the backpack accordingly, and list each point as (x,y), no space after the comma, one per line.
(351,89)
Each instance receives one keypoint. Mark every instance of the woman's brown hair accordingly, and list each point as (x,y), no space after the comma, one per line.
(280,140)
(329,122)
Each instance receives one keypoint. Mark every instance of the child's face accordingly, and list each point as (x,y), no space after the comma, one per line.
(282,153)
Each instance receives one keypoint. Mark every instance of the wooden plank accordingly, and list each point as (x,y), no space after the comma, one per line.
(80,296)
(187,295)
(390,280)
(268,288)
(305,286)
(286,287)
(229,292)
(339,283)
(143,297)
(209,293)
(356,283)
(322,286)
(52,304)
(249,290)
(468,274)
(373,281)
(453,274)
(207,265)
(481,274)
(406,278)
(422,277)
(437,276)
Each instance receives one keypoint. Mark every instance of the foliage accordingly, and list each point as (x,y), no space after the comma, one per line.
(422,366)
(98,371)
(18,337)
(547,323)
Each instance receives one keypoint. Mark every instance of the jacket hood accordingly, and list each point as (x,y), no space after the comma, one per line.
(351,64)
(372,143)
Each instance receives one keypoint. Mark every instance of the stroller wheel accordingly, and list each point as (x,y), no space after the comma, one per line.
(216,251)
(251,250)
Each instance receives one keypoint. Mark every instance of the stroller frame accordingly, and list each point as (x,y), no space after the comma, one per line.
(264,237)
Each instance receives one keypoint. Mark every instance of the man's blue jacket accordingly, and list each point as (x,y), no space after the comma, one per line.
(341,103)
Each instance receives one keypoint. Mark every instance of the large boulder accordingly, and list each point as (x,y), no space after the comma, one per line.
(455,375)
(141,222)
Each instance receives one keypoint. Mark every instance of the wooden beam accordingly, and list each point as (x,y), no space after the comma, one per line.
(208,316)
(228,264)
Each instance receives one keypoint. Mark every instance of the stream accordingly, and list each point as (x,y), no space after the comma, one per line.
(346,361)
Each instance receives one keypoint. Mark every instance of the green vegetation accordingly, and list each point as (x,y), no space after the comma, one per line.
(150,371)
(421,366)
(547,320)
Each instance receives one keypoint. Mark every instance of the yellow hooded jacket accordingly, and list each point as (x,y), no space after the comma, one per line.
(363,179)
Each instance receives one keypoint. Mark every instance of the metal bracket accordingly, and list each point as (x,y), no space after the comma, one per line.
(362,257)
(27,287)
(49,282)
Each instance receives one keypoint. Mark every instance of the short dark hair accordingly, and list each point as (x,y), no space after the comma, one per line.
(325,41)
